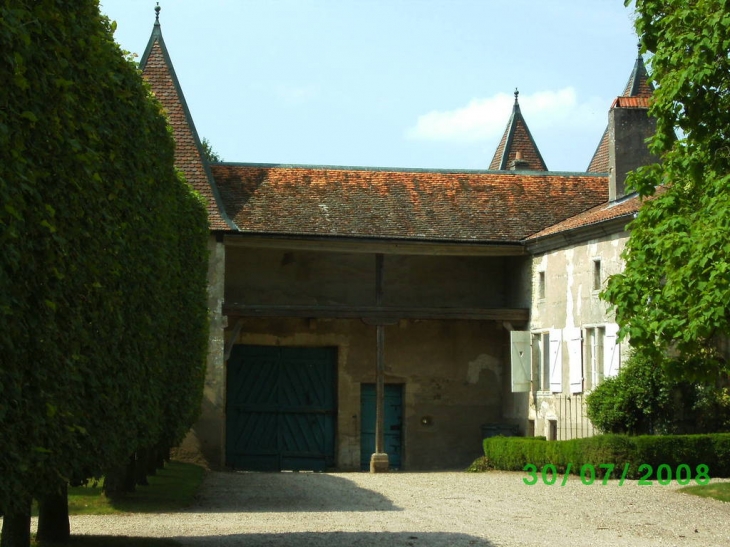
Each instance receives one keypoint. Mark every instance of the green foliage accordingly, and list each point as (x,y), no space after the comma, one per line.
(637,401)
(514,453)
(645,398)
(674,290)
(103,269)
(210,154)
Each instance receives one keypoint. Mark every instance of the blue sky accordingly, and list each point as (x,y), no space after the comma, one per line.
(391,83)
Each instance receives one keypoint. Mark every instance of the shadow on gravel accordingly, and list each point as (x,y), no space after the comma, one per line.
(255,492)
(342,539)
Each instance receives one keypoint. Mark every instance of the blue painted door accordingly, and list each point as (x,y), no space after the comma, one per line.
(280,410)
(393,424)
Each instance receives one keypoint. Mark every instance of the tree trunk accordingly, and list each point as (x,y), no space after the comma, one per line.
(162,454)
(16,527)
(151,460)
(120,480)
(140,467)
(53,525)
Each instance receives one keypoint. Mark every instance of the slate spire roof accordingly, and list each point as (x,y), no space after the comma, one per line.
(157,69)
(638,86)
(517,149)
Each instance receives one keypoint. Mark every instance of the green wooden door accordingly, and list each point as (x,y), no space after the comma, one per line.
(280,411)
(393,436)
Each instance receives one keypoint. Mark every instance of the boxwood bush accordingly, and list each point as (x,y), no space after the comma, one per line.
(514,453)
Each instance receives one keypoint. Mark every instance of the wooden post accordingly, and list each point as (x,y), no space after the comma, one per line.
(380,392)
(379,460)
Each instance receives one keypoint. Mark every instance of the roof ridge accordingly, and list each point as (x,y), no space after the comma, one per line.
(426,170)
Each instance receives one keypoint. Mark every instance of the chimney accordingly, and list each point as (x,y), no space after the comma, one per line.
(629,125)
(518,163)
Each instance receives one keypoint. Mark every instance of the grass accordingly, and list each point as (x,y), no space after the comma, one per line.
(171,489)
(719,491)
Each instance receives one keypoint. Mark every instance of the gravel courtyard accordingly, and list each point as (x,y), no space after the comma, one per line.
(426,510)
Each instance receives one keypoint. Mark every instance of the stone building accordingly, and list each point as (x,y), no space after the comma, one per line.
(355,309)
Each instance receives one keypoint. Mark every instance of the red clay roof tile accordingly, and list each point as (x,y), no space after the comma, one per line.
(517,139)
(158,71)
(468,206)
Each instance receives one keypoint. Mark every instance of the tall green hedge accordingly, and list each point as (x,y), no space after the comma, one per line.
(103,320)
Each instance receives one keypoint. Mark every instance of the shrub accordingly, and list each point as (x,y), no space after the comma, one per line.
(645,398)
(514,453)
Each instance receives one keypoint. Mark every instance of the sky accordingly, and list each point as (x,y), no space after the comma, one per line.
(391,83)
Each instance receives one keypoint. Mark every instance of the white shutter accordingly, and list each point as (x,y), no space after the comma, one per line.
(574,340)
(611,351)
(521,360)
(556,360)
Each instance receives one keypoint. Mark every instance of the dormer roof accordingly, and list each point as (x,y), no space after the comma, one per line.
(158,70)
(640,87)
(517,149)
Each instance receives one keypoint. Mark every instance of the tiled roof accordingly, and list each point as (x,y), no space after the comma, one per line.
(606,211)
(639,86)
(517,139)
(631,102)
(158,71)
(466,206)
(599,162)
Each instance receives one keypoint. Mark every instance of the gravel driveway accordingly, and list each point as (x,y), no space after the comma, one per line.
(427,510)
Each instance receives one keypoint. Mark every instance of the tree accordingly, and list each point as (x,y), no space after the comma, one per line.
(673,295)
(210,154)
(103,269)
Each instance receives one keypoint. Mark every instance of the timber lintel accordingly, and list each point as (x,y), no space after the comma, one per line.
(376,314)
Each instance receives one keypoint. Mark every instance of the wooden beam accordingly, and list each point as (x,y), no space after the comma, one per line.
(387,314)
(379,362)
(384,246)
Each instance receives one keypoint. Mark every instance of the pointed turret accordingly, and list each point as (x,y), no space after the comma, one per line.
(638,86)
(517,149)
(157,69)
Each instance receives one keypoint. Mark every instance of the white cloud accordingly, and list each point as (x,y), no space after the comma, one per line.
(485,119)
(293,95)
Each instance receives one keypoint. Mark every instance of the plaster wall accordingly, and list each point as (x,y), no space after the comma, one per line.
(204,441)
(570,300)
(452,372)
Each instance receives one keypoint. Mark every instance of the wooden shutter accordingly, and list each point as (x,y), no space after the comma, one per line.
(574,340)
(556,360)
(611,351)
(521,360)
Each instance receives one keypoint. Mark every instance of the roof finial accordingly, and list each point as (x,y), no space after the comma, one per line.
(157,13)
(516,94)
(638,48)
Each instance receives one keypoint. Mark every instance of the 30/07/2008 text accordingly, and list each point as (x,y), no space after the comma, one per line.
(683,476)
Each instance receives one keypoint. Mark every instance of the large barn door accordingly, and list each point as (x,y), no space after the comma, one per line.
(280,408)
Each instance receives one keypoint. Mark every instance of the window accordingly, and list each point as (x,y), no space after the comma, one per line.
(594,356)
(601,351)
(597,274)
(541,285)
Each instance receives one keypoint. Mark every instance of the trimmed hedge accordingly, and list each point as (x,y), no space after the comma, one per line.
(513,453)
(103,302)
